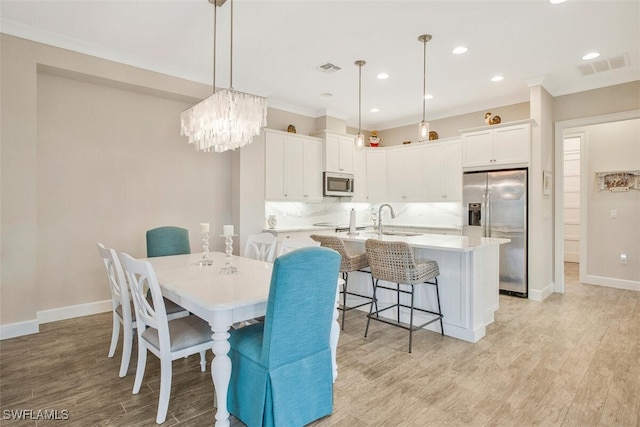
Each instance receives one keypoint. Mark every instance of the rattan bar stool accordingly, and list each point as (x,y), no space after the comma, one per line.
(394,262)
(349,263)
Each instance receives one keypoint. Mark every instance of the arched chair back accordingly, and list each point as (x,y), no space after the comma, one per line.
(166,339)
(120,306)
(282,369)
(168,240)
(261,247)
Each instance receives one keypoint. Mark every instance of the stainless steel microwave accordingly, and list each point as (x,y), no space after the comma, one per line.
(338,184)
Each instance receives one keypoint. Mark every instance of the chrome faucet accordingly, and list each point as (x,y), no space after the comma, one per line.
(393,215)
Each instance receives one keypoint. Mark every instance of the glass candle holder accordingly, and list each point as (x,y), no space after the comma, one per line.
(228,267)
(205,260)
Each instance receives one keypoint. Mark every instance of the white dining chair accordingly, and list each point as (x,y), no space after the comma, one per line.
(166,339)
(122,307)
(288,245)
(261,247)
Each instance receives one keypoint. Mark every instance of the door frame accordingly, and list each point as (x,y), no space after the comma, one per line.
(558,186)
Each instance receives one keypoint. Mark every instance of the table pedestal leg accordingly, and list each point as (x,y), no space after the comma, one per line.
(221,373)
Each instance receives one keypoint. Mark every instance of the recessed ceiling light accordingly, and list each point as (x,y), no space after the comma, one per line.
(375,110)
(382,76)
(326,94)
(557,1)
(497,78)
(591,55)
(460,50)
(428,96)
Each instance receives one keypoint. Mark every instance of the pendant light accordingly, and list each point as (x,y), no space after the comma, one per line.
(423,128)
(228,119)
(359,137)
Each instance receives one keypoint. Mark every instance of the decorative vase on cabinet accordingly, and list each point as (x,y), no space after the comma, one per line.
(272,222)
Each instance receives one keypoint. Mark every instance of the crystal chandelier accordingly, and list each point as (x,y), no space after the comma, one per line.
(227,119)
(423,128)
(359,136)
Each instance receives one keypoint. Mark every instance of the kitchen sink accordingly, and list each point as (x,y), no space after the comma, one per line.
(401,233)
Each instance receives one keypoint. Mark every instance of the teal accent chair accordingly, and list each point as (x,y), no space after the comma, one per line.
(168,240)
(282,371)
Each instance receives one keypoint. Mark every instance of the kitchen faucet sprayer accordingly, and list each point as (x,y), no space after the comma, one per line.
(393,215)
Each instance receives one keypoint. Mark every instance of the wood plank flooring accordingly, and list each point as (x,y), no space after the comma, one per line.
(572,360)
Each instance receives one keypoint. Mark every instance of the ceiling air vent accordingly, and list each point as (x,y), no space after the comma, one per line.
(329,68)
(602,65)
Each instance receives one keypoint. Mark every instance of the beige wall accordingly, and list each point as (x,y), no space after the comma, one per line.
(541,243)
(612,147)
(608,100)
(94,157)
(451,126)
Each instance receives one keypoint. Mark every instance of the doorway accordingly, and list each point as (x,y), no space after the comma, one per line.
(565,129)
(571,205)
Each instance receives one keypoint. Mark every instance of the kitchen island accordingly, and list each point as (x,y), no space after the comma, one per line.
(468,281)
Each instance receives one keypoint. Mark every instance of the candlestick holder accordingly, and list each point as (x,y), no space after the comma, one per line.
(205,260)
(228,268)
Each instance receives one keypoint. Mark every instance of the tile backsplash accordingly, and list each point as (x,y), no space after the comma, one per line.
(292,214)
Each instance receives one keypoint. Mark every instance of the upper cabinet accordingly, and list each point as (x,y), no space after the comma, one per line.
(293,167)
(360,176)
(338,151)
(406,174)
(376,175)
(443,168)
(498,145)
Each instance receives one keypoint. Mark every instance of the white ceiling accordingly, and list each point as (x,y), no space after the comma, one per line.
(279,45)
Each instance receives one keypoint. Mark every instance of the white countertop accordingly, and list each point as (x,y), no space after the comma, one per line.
(426,241)
(294,228)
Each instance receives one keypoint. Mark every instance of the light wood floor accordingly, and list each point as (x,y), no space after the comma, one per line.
(572,360)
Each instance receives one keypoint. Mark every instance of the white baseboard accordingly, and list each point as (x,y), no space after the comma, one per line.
(629,285)
(19,329)
(12,330)
(541,294)
(72,311)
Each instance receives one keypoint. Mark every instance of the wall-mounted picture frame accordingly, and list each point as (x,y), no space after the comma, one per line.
(547,183)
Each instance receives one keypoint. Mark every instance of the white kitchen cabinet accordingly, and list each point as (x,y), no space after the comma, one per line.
(293,167)
(376,188)
(496,146)
(338,152)
(406,174)
(443,169)
(360,176)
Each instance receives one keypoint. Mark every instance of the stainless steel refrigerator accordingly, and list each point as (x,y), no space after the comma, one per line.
(495,205)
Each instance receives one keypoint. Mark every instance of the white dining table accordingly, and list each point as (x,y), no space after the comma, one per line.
(222,300)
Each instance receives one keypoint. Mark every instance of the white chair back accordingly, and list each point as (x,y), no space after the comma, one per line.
(261,247)
(141,275)
(289,245)
(191,334)
(117,282)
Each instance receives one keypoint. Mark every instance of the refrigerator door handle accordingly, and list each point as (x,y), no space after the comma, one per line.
(488,217)
(483,214)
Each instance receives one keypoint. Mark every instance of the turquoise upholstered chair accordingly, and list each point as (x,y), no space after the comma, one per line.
(163,241)
(282,369)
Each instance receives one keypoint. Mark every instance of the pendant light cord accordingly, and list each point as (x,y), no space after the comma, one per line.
(231,52)
(424,80)
(359,98)
(215,13)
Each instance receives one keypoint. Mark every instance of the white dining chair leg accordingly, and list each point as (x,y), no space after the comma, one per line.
(115,333)
(203,361)
(127,343)
(165,389)
(142,362)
